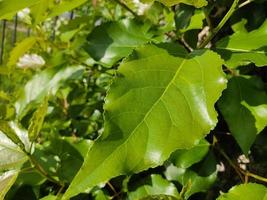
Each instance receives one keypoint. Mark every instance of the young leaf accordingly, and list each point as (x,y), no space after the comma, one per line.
(7,179)
(110,42)
(155,185)
(44,83)
(244,107)
(245,192)
(162,100)
(37,120)
(243,48)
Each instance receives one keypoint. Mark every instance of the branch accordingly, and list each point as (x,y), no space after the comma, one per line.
(126,7)
(220,25)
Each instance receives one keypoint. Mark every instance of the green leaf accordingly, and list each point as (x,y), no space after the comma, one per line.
(5,127)
(187,18)
(160,197)
(11,156)
(49,197)
(185,158)
(196,3)
(246,192)
(181,89)
(10,7)
(50,8)
(20,49)
(37,120)
(110,42)
(244,107)
(44,83)
(154,185)
(191,180)
(243,48)
(7,179)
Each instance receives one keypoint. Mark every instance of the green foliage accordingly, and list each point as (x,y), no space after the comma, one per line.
(245,192)
(244,107)
(137,100)
(150,90)
(244,47)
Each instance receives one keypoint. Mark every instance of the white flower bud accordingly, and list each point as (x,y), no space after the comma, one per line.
(31,61)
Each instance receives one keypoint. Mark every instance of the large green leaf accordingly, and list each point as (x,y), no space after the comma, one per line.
(7,179)
(161,100)
(44,83)
(244,107)
(246,192)
(196,3)
(154,185)
(110,42)
(243,47)
(10,7)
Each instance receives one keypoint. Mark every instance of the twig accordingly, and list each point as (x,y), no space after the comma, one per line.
(213,32)
(40,169)
(126,7)
(244,3)
(240,171)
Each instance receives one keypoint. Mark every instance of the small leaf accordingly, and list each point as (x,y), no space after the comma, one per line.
(154,185)
(244,107)
(20,49)
(243,47)
(110,42)
(37,120)
(245,192)
(182,89)
(185,158)
(7,179)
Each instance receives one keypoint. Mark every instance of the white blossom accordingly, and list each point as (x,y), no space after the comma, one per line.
(141,7)
(24,15)
(31,61)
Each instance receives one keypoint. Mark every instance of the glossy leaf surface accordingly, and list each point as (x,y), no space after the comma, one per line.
(246,192)
(7,179)
(11,155)
(182,89)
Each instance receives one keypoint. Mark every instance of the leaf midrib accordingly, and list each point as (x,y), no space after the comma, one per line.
(146,115)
